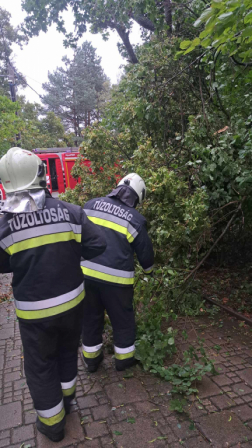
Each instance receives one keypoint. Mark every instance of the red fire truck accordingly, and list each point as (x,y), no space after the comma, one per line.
(59,163)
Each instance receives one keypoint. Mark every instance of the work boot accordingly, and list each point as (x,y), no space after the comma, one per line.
(123,364)
(53,436)
(69,403)
(93,364)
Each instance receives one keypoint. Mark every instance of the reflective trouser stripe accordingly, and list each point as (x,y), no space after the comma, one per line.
(69,388)
(91,352)
(42,241)
(48,303)
(53,311)
(52,416)
(107,277)
(124,353)
(113,226)
(149,270)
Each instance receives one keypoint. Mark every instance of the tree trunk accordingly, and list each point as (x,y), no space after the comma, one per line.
(168,15)
(75,128)
(124,35)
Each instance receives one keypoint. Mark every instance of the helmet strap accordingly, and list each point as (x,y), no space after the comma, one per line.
(41,170)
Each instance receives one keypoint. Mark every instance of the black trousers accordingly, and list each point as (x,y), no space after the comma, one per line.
(50,361)
(118,302)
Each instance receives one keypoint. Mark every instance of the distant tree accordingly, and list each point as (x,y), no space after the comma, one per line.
(75,92)
(10,124)
(40,129)
(8,36)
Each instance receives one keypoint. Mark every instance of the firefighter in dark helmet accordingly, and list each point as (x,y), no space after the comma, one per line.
(109,277)
(42,240)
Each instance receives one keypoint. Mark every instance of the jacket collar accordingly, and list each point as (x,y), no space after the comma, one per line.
(126,195)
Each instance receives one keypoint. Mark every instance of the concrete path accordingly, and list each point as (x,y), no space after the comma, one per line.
(132,410)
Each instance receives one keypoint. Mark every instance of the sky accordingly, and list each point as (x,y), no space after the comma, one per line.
(43,53)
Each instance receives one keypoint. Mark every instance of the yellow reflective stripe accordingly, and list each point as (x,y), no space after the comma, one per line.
(53,420)
(39,314)
(149,271)
(113,226)
(107,277)
(68,392)
(124,355)
(42,241)
(91,355)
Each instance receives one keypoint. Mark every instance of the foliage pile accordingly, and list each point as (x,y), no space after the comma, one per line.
(182,120)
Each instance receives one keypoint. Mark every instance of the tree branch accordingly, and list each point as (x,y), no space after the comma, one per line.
(245,64)
(216,242)
(202,99)
(184,5)
(124,35)
(168,15)
(144,22)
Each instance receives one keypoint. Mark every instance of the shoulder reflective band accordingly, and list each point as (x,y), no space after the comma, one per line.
(40,236)
(124,353)
(52,416)
(91,352)
(50,307)
(69,388)
(113,222)
(149,270)
(108,274)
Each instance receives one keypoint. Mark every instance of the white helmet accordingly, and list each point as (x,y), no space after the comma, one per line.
(136,183)
(21,170)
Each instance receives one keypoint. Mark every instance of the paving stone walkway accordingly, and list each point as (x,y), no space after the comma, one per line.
(115,409)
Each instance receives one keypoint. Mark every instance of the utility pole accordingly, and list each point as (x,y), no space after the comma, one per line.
(11,80)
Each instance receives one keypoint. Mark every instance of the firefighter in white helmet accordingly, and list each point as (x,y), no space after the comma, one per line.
(42,240)
(109,277)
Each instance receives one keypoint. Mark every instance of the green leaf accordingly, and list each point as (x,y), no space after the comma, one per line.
(191,48)
(204,16)
(128,375)
(131,420)
(117,433)
(225,16)
(206,42)
(248,18)
(185,44)
(196,41)
(171,341)
(247,32)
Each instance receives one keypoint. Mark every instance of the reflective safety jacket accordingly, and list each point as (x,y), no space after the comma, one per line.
(126,233)
(43,249)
